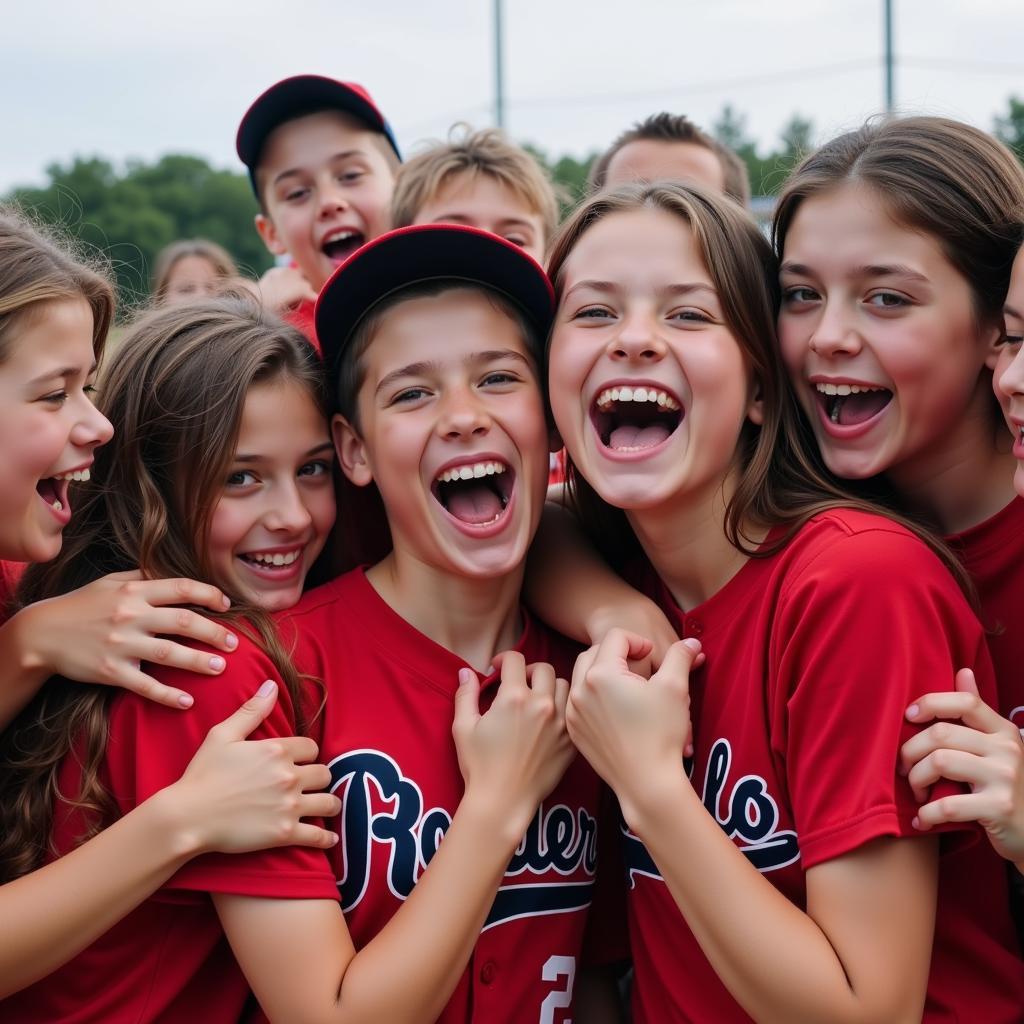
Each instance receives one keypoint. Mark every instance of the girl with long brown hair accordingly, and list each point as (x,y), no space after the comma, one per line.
(771,876)
(896,244)
(54,313)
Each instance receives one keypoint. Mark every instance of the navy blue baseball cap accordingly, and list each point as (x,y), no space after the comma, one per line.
(419,254)
(304,94)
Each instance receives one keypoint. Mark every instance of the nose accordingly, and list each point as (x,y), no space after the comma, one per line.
(636,340)
(332,196)
(288,512)
(1009,375)
(92,428)
(463,415)
(835,333)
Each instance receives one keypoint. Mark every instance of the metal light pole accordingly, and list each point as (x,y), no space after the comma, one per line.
(890,89)
(499,69)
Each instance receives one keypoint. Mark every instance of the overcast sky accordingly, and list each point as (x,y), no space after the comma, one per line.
(146,78)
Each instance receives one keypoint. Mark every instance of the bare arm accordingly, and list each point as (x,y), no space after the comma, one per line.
(235,796)
(298,955)
(862,949)
(572,589)
(101,632)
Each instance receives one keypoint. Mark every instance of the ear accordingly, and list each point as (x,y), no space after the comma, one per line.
(267,231)
(755,407)
(352,453)
(992,338)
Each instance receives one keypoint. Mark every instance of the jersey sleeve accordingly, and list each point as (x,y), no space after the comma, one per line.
(870,621)
(150,746)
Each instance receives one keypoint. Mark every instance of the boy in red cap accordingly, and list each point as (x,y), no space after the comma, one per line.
(322,161)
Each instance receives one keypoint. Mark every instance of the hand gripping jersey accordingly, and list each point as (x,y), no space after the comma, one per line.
(168,960)
(813,655)
(386,735)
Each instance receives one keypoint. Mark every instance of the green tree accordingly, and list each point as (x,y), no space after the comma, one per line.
(1010,129)
(132,214)
(569,175)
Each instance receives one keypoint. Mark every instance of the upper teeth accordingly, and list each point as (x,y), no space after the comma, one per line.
(845,389)
(468,472)
(80,475)
(340,236)
(628,394)
(273,559)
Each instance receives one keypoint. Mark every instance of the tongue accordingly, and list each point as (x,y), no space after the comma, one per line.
(859,408)
(474,503)
(638,437)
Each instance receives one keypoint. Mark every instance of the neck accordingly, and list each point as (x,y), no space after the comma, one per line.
(687,545)
(472,618)
(965,480)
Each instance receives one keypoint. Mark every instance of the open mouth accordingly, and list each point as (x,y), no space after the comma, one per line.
(273,564)
(851,404)
(339,245)
(54,489)
(477,493)
(633,419)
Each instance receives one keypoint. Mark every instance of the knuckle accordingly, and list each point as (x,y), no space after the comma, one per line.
(184,619)
(161,651)
(1002,805)
(183,588)
(942,733)
(130,588)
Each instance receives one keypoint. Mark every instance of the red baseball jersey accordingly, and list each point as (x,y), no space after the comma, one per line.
(993,553)
(386,735)
(10,575)
(168,960)
(813,654)
(302,318)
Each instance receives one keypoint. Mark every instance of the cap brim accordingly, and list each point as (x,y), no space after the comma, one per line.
(420,254)
(295,96)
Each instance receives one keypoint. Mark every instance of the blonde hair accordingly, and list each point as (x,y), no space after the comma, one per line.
(169,256)
(37,266)
(488,152)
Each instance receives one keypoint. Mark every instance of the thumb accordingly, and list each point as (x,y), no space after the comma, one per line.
(467,701)
(678,661)
(249,715)
(965,682)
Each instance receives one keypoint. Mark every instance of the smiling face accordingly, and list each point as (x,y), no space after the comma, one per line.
(326,186)
(49,427)
(649,387)
(277,506)
(452,431)
(482,201)
(1009,369)
(878,332)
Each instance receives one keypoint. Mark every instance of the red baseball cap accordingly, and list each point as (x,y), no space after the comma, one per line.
(304,94)
(422,253)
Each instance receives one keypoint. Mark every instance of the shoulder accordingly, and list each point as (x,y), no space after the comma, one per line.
(320,601)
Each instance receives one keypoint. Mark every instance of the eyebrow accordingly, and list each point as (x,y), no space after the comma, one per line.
(327,445)
(421,369)
(292,171)
(672,289)
(461,218)
(62,373)
(868,270)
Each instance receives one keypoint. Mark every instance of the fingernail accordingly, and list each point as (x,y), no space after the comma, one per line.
(333,839)
(225,601)
(231,641)
(916,822)
(688,750)
(913,711)
(692,644)
(465,676)
(266,688)
(217,663)
(185,700)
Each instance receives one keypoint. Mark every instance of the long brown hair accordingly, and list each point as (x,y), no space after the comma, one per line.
(169,256)
(782,480)
(38,266)
(175,392)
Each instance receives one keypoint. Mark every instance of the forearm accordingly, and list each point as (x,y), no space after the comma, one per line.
(22,668)
(568,584)
(54,913)
(733,910)
(410,970)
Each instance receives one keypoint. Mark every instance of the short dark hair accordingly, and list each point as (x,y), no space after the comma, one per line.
(666,127)
(352,369)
